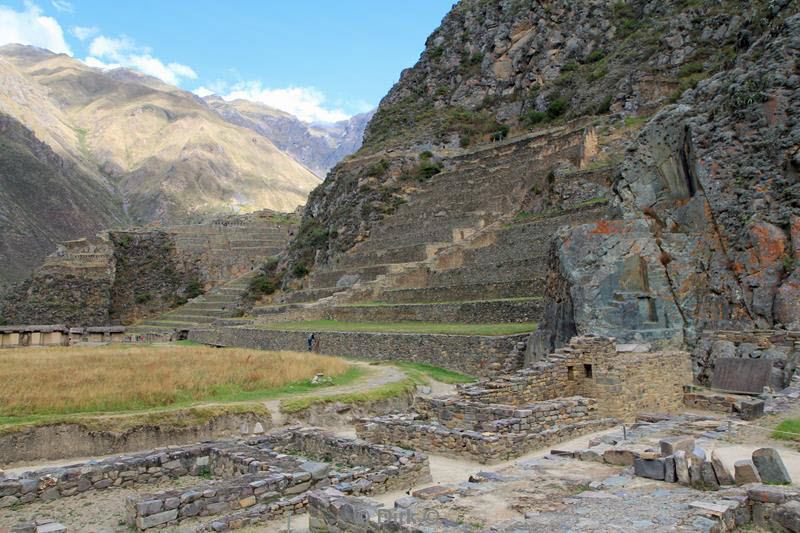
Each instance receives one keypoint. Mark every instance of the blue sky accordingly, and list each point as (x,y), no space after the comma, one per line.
(319,59)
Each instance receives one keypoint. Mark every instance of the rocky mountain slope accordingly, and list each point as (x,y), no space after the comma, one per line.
(88,149)
(317,146)
(703,233)
(45,198)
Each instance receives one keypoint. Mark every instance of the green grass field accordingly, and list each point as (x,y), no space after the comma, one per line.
(788,429)
(402,327)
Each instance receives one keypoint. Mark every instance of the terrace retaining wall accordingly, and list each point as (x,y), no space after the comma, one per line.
(471,354)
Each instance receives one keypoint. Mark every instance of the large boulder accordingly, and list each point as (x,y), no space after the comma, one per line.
(770,466)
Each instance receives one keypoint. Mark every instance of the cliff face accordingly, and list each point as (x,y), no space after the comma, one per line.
(518,64)
(711,200)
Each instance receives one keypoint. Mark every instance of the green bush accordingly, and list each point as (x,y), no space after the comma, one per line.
(427,154)
(427,169)
(194,289)
(143,298)
(569,67)
(377,169)
(299,270)
(534,117)
(260,285)
(501,133)
(690,68)
(594,56)
(557,107)
(605,105)
(597,74)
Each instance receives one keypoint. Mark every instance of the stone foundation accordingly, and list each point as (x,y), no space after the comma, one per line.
(538,416)
(259,479)
(411,431)
(768,507)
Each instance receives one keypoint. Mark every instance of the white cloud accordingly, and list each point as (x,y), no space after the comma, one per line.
(96,63)
(306,103)
(182,70)
(202,92)
(31,27)
(63,5)
(123,51)
(84,32)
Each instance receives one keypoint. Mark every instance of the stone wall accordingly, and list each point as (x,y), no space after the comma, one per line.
(781,346)
(471,354)
(260,478)
(497,311)
(454,413)
(410,431)
(623,382)
(483,312)
(641,382)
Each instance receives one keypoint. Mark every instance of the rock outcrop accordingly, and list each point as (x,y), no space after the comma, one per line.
(710,201)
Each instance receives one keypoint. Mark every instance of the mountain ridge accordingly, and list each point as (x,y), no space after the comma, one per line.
(154,154)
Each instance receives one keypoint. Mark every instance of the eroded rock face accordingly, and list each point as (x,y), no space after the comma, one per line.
(710,202)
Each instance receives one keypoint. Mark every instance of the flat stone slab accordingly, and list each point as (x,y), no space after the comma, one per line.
(430,493)
(741,375)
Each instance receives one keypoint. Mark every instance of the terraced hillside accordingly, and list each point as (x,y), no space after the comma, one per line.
(461,261)
(622,168)
(123,276)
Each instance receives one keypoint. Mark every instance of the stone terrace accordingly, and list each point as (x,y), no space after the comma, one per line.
(257,479)
(449,243)
(450,254)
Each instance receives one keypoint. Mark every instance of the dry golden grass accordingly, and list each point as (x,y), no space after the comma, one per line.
(120,377)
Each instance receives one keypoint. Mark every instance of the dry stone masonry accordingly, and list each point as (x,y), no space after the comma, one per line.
(503,418)
(471,354)
(256,479)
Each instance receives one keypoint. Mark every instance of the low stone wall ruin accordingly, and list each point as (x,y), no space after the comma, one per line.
(768,507)
(410,431)
(258,479)
(471,354)
(537,416)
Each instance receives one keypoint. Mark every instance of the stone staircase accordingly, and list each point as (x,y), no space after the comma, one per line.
(217,306)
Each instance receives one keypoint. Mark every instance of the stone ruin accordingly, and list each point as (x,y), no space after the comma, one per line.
(251,481)
(61,335)
(584,387)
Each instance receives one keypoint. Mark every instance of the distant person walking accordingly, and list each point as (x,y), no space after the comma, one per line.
(310,341)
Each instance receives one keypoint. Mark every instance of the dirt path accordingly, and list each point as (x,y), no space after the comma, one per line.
(377,375)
